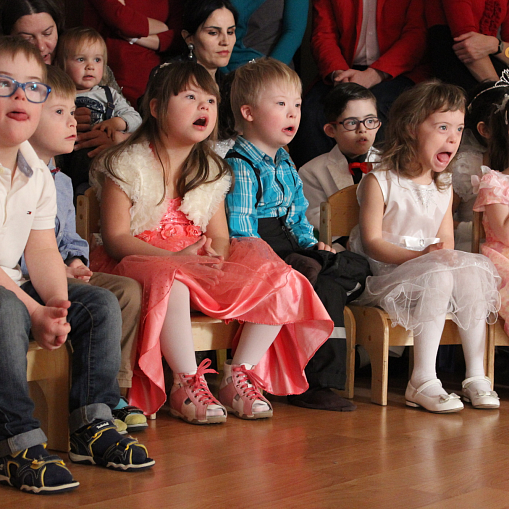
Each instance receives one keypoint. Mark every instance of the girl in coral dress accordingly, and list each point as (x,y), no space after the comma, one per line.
(164,224)
(493,197)
(406,230)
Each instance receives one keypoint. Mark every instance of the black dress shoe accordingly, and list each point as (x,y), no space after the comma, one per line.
(322,398)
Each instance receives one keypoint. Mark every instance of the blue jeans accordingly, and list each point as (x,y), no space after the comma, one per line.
(95,334)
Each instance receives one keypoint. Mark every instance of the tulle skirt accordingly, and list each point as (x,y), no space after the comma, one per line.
(444,281)
(254,285)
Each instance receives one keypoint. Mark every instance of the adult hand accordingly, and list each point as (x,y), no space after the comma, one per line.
(49,325)
(473,46)
(98,140)
(83,118)
(367,78)
(325,247)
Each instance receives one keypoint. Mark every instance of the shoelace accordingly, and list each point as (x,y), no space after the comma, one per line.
(199,385)
(248,381)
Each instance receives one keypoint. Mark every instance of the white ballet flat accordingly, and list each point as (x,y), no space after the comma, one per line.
(440,404)
(479,399)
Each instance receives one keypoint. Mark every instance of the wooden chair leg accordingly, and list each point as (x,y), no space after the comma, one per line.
(372,331)
(350,354)
(489,357)
(48,376)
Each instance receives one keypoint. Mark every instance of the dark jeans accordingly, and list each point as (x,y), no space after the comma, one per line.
(95,322)
(311,141)
(446,65)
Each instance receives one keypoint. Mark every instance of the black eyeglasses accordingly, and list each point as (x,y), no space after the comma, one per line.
(35,92)
(352,123)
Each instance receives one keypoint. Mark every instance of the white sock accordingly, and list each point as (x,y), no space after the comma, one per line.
(473,341)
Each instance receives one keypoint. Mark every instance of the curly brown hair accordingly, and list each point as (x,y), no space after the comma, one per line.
(411,109)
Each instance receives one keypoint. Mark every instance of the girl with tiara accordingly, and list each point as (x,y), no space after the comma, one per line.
(475,150)
(406,231)
(493,197)
(164,224)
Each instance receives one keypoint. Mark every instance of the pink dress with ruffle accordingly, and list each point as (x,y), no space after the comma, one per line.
(254,285)
(494,188)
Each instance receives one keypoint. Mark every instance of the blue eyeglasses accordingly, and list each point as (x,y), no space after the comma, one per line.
(35,92)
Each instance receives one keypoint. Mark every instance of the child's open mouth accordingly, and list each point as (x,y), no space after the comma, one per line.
(289,130)
(202,122)
(444,157)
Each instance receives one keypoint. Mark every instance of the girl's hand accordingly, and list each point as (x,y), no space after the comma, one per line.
(325,247)
(433,247)
(193,248)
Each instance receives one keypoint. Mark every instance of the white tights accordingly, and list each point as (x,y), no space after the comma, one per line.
(176,337)
(426,345)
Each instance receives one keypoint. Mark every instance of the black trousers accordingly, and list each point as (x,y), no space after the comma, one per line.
(340,280)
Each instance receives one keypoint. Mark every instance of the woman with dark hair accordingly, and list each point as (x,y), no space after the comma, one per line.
(209,31)
(38,21)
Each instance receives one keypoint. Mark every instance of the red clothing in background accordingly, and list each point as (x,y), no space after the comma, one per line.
(462,16)
(132,63)
(401,34)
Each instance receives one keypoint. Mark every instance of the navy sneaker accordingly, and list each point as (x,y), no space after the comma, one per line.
(34,470)
(101,444)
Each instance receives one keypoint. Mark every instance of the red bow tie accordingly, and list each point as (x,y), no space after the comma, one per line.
(364,167)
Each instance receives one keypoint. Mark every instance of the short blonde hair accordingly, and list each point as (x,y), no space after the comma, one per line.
(75,38)
(13,46)
(253,78)
(61,83)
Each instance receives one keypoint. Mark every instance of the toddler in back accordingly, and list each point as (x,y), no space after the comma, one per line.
(82,55)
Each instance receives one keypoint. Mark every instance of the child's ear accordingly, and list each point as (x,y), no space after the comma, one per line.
(247,112)
(483,130)
(153,107)
(329,130)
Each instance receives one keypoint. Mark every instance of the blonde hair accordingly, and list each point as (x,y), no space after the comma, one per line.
(407,113)
(14,46)
(253,78)
(75,38)
(168,81)
(61,84)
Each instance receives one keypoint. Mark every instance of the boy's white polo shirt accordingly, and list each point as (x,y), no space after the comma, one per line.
(27,202)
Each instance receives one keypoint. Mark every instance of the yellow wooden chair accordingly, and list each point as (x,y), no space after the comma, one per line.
(374,331)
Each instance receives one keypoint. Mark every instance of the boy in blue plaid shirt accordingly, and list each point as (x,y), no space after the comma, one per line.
(267,202)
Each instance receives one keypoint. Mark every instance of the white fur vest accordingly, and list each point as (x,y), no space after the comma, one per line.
(142,182)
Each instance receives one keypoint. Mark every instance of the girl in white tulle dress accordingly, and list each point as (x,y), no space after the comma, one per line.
(406,231)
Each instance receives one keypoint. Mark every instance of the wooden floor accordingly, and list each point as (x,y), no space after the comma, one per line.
(392,457)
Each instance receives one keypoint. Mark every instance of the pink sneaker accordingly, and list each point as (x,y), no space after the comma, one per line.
(240,395)
(191,399)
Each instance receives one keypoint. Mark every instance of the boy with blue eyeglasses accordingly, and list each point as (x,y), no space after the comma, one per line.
(45,308)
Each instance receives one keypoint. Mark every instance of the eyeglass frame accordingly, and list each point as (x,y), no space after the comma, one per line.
(363,122)
(22,86)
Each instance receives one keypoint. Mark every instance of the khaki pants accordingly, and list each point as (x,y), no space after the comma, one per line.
(128,293)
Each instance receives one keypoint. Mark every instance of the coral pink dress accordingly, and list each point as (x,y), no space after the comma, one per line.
(254,285)
(494,188)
